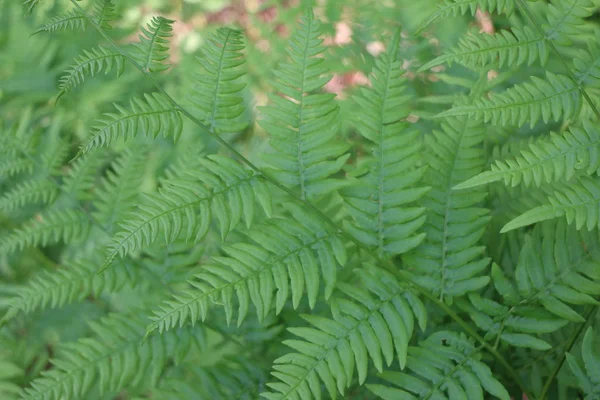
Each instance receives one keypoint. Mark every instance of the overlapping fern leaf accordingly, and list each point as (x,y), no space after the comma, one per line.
(151,116)
(280,255)
(588,373)
(383,201)
(186,205)
(109,361)
(374,323)
(40,191)
(104,12)
(301,120)
(549,159)
(557,273)
(446,365)
(450,262)
(555,98)
(218,88)
(153,48)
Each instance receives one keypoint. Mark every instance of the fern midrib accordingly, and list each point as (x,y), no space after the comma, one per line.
(564,17)
(382,302)
(504,106)
(153,39)
(300,153)
(255,273)
(117,246)
(213,115)
(526,43)
(59,22)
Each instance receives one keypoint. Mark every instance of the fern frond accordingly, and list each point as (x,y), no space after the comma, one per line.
(558,157)
(557,271)
(450,262)
(553,99)
(82,176)
(217,95)
(153,48)
(52,227)
(90,63)
(515,47)
(10,167)
(383,201)
(578,201)
(223,188)
(152,115)
(120,188)
(303,122)
(38,191)
(453,8)
(69,21)
(109,361)
(281,254)
(588,374)
(565,19)
(446,365)
(587,64)
(104,12)
(376,324)
(54,289)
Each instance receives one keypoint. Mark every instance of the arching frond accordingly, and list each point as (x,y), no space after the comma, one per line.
(587,375)
(374,324)
(82,176)
(550,159)
(446,365)
(153,47)
(69,21)
(303,122)
(90,63)
(557,272)
(104,12)
(38,191)
(449,8)
(282,255)
(67,225)
(222,188)
(556,98)
(450,261)
(109,361)
(10,167)
(218,88)
(577,200)
(564,18)
(383,201)
(515,47)
(152,115)
(76,281)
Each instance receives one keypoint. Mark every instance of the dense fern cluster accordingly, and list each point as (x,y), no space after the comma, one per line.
(430,234)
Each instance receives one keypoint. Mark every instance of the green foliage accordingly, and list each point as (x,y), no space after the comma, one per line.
(395,200)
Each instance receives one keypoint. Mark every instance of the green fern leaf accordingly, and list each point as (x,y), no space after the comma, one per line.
(452,8)
(565,19)
(41,191)
(303,122)
(547,160)
(578,201)
(222,187)
(69,21)
(383,201)
(446,365)
(90,63)
(104,12)
(111,360)
(63,286)
(153,115)
(217,95)
(587,64)
(10,167)
(30,5)
(450,262)
(587,375)
(557,272)
(281,254)
(376,324)
(153,48)
(556,98)
(513,48)
(82,176)
(52,227)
